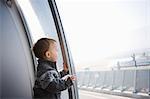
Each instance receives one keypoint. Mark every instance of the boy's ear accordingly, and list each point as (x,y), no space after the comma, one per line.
(47,54)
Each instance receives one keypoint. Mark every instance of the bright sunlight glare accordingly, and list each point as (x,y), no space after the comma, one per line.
(100,29)
(33,24)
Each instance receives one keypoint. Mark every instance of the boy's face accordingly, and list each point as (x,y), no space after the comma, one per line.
(52,52)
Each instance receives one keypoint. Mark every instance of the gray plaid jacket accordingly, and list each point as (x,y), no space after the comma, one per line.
(48,84)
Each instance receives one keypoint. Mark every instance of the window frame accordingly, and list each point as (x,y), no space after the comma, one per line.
(73,92)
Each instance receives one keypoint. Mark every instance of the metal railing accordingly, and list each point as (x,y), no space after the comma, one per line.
(133,81)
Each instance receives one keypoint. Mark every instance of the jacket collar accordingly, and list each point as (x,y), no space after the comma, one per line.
(46,64)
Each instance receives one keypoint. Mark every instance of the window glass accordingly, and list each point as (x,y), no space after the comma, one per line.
(102,33)
(108,39)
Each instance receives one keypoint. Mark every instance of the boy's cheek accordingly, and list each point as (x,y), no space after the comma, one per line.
(55,57)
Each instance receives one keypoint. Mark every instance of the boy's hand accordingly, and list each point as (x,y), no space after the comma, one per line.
(73,78)
(65,67)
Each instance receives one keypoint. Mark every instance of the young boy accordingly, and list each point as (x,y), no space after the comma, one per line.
(49,82)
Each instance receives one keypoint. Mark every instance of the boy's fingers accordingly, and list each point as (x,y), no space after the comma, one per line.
(73,77)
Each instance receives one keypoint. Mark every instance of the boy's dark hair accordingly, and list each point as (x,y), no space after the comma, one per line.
(41,46)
